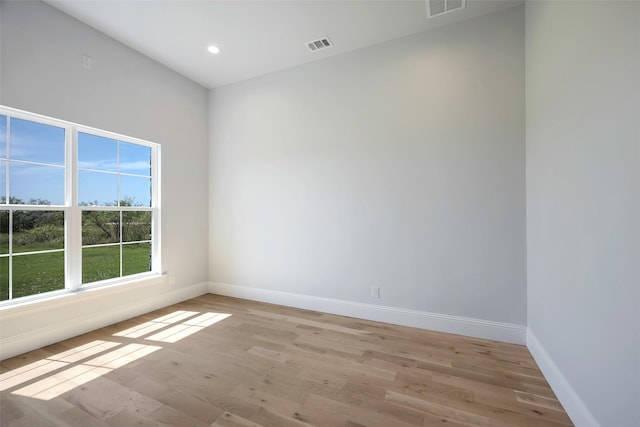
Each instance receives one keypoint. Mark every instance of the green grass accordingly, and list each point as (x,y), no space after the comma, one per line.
(100,263)
(4,243)
(35,274)
(136,258)
(39,273)
(104,262)
(4,278)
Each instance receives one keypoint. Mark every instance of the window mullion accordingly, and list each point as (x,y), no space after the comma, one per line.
(156,261)
(10,253)
(73,252)
(7,162)
(120,245)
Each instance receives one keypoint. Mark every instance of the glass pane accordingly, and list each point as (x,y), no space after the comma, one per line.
(3,136)
(100,227)
(136,226)
(437,6)
(4,232)
(100,263)
(37,231)
(3,181)
(35,274)
(97,189)
(136,258)
(36,185)
(4,278)
(135,191)
(97,152)
(454,4)
(135,159)
(36,142)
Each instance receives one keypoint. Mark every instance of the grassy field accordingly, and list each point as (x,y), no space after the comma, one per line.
(34,274)
(104,262)
(38,273)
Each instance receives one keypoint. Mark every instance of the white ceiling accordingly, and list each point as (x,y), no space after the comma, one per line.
(256,37)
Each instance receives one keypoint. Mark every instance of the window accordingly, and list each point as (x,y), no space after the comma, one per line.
(115,195)
(79,207)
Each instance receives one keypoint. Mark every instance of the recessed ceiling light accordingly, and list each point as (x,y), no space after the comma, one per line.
(213,49)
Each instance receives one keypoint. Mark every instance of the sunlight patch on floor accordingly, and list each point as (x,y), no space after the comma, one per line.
(79,353)
(189,327)
(122,356)
(36,369)
(28,372)
(155,324)
(66,380)
(55,375)
(61,382)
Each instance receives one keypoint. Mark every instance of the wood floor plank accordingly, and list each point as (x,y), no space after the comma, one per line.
(231,420)
(225,362)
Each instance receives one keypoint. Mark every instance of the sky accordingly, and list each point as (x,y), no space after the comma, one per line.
(108,169)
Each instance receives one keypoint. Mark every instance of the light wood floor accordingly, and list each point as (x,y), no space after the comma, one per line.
(224,362)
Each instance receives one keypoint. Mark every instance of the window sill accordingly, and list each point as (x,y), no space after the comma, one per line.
(74,297)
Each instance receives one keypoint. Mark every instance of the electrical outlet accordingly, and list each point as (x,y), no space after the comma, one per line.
(375,292)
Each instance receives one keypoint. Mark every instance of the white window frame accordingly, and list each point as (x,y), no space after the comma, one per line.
(73,211)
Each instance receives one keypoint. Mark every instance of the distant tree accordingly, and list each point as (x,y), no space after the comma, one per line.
(136,226)
(104,226)
(37,201)
(100,227)
(15,201)
(4,222)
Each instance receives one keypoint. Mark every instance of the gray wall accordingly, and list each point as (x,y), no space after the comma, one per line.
(399,166)
(583,199)
(41,71)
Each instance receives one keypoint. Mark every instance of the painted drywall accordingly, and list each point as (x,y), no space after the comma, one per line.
(583,204)
(41,71)
(399,166)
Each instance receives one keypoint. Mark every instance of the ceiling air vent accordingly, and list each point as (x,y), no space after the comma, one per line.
(440,7)
(316,45)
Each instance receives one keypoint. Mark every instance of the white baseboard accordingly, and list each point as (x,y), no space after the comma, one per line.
(505,332)
(125,307)
(572,403)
